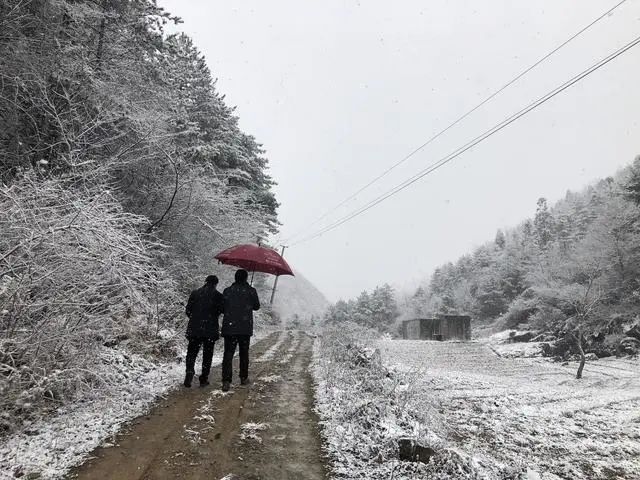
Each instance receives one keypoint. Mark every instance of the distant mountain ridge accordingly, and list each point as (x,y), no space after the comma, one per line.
(298,296)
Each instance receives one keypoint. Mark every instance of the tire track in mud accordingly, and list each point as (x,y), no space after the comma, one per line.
(266,430)
(271,351)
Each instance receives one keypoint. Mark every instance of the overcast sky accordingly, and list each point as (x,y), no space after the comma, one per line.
(339,90)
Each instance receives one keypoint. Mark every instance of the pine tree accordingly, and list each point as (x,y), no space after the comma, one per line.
(543,223)
(632,184)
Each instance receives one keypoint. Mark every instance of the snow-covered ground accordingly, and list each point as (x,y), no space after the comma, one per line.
(486,411)
(499,344)
(52,445)
(528,412)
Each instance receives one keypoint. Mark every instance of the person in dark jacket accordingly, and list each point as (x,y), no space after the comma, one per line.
(240,301)
(203,309)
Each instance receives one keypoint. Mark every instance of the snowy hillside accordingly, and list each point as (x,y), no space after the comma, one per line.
(298,296)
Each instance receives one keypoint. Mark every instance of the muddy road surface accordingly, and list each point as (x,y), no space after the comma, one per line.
(266,430)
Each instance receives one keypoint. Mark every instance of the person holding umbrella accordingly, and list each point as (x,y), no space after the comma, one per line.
(203,309)
(240,301)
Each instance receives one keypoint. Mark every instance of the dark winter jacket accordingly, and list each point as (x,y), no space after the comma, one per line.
(203,309)
(240,300)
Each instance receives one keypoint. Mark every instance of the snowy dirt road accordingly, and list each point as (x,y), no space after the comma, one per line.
(266,430)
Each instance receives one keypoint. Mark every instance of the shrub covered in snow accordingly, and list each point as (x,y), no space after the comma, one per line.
(366,411)
(75,276)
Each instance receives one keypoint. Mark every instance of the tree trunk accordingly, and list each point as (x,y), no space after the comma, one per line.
(173,197)
(582,357)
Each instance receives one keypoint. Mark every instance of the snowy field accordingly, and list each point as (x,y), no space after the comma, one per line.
(528,412)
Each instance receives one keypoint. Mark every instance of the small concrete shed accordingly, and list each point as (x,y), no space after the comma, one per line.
(442,327)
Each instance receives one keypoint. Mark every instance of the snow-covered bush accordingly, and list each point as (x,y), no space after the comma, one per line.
(519,312)
(75,275)
(365,409)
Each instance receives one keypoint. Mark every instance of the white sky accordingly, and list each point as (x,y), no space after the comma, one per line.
(339,90)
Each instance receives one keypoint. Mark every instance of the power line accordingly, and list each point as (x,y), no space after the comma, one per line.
(473,142)
(488,133)
(455,122)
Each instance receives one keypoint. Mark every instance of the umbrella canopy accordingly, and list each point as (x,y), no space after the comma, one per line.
(255,259)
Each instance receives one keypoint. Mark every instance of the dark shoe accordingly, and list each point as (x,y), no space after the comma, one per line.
(226,386)
(204,382)
(244,381)
(187,379)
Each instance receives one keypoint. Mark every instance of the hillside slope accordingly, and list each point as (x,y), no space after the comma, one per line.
(571,272)
(298,296)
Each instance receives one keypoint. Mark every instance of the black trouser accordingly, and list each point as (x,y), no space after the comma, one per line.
(230,342)
(207,354)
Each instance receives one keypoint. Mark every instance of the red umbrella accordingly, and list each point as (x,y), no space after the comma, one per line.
(255,259)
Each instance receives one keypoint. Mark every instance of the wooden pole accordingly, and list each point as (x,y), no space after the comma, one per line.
(275,282)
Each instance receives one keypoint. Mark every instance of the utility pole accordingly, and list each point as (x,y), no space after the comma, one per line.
(275,283)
